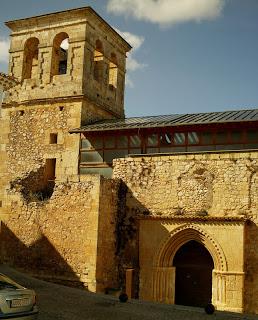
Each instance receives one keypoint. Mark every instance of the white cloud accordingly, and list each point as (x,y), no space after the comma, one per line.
(65,44)
(4,50)
(135,41)
(132,64)
(167,12)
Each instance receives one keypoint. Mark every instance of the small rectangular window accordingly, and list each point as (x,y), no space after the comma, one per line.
(165,139)
(193,138)
(179,138)
(135,141)
(53,138)
(153,140)
(1,203)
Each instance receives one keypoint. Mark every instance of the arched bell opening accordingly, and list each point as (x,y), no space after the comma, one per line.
(30,62)
(60,54)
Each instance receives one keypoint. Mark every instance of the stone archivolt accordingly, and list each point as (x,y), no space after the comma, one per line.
(183,234)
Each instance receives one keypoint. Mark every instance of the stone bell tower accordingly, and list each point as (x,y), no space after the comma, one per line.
(71,70)
(73,53)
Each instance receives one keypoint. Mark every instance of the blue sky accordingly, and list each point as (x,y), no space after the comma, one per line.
(189,56)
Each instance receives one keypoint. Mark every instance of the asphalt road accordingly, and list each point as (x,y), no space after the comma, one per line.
(57,302)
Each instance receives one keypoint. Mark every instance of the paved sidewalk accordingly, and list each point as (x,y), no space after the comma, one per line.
(58,302)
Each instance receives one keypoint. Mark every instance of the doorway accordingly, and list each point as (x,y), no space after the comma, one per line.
(193,283)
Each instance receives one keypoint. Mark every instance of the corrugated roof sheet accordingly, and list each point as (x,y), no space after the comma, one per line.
(172,120)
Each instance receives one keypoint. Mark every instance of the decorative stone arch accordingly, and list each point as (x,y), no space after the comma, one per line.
(164,272)
(183,234)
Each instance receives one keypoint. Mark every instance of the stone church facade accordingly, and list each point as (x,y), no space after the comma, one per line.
(164,207)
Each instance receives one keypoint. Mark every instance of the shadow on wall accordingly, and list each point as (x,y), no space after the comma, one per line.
(126,231)
(36,185)
(41,257)
(251,262)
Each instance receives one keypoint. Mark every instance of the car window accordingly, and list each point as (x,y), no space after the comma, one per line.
(7,283)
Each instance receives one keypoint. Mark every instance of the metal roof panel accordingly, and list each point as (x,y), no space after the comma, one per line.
(171,120)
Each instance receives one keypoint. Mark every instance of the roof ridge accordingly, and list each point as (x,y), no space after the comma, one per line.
(191,114)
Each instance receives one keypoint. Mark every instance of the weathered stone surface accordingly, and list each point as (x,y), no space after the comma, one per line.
(52,219)
(87,230)
(204,194)
(68,236)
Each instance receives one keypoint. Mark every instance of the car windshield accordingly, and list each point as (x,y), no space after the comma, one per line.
(6,283)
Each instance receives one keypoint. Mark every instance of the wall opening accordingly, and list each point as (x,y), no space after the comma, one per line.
(53,138)
(112,80)
(98,61)
(30,62)
(193,283)
(50,170)
(60,54)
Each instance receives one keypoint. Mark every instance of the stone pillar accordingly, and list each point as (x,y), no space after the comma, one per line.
(164,284)
(228,290)
(129,283)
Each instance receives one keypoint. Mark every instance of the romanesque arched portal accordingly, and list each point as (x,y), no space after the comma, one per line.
(177,258)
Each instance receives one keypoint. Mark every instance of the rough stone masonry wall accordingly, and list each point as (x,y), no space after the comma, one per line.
(66,238)
(222,184)
(29,137)
(25,145)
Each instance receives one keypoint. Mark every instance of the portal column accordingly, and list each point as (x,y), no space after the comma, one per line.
(227,290)
(164,284)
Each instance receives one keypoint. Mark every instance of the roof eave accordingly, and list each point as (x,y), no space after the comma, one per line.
(12,24)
